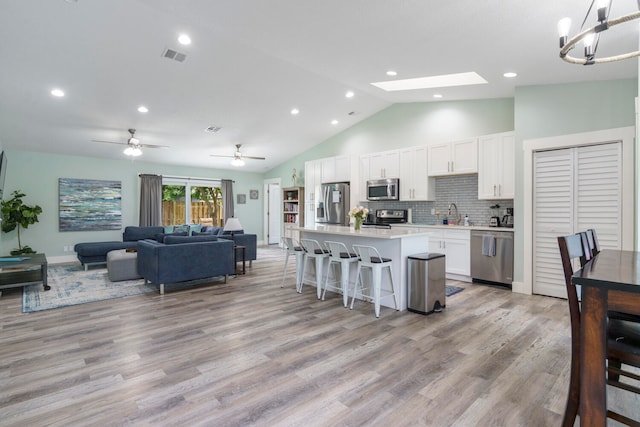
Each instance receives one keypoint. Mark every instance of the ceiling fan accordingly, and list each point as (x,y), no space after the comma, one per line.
(133,144)
(238,157)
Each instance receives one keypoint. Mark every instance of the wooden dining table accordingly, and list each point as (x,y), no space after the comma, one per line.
(610,282)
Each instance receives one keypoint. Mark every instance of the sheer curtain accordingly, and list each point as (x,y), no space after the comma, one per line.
(227,199)
(150,200)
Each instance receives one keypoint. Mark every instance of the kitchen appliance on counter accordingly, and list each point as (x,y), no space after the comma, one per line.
(492,257)
(334,205)
(383,218)
(383,189)
(494,220)
(507,220)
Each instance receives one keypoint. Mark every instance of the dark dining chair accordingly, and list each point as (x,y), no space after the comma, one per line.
(623,337)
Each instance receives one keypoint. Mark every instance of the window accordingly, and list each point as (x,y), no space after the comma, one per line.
(191,201)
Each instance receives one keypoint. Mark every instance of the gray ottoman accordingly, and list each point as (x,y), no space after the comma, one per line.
(122,265)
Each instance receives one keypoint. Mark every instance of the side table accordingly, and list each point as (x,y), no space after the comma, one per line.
(23,271)
(243,251)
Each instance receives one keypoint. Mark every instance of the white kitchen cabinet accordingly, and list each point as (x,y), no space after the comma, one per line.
(312,180)
(456,245)
(415,184)
(496,166)
(336,169)
(453,158)
(385,164)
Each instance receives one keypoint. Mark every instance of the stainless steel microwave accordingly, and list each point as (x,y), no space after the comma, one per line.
(383,189)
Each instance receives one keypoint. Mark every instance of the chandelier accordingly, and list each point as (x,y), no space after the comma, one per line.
(590,37)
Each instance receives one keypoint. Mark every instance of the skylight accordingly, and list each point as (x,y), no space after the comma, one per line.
(445,80)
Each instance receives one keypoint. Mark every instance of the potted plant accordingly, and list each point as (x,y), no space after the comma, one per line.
(16,214)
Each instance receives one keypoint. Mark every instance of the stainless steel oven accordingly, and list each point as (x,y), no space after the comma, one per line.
(383,189)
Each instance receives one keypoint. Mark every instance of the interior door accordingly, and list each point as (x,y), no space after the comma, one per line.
(274,204)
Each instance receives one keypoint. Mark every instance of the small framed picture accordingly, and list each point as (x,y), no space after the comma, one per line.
(242,199)
(253,194)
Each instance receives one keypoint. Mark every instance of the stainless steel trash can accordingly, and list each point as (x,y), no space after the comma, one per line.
(426,276)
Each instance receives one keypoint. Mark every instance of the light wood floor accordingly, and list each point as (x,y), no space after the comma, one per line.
(251,353)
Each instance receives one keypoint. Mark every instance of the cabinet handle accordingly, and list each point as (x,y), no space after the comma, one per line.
(494,189)
(444,244)
(500,189)
(452,166)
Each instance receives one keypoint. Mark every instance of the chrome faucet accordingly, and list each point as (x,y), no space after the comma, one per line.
(457,216)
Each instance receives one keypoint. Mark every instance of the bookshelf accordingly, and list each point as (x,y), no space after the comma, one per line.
(292,211)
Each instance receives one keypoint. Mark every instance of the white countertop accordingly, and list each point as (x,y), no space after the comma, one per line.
(452,227)
(377,233)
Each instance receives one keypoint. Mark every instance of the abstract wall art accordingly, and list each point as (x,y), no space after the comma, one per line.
(90,204)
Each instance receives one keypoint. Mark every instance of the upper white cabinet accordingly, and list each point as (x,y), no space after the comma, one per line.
(385,164)
(496,166)
(415,185)
(312,179)
(453,158)
(336,169)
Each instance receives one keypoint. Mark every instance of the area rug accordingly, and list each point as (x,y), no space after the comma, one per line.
(71,285)
(452,290)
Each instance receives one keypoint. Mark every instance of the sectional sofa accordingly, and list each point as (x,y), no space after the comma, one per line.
(184,258)
(96,252)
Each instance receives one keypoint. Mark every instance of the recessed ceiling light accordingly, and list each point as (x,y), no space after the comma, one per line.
(510,74)
(445,80)
(57,92)
(295,111)
(143,109)
(349,94)
(437,95)
(184,39)
(334,122)
(391,73)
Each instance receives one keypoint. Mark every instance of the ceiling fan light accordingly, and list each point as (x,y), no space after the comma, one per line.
(237,162)
(128,151)
(135,152)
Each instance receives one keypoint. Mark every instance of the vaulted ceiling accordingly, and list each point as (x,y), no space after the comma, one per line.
(250,62)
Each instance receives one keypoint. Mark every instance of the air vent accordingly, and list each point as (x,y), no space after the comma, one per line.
(174,54)
(212,129)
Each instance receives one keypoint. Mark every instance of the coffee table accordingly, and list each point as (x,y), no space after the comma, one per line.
(23,271)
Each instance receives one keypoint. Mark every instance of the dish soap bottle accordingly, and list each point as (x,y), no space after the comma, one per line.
(466,220)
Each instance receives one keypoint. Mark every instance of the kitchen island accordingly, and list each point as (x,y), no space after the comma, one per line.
(395,243)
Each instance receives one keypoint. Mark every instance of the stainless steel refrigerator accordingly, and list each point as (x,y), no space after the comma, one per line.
(333,207)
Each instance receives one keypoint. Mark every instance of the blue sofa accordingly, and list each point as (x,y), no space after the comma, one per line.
(96,252)
(249,241)
(184,258)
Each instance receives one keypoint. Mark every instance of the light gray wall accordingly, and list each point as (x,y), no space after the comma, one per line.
(552,110)
(37,174)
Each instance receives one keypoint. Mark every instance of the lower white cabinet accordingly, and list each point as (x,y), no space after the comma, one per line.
(456,246)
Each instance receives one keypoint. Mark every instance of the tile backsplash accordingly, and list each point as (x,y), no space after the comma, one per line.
(461,190)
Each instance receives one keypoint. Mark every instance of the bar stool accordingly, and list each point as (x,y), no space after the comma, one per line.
(314,253)
(370,258)
(293,248)
(339,254)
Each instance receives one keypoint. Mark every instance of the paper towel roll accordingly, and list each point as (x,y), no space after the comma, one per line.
(409,217)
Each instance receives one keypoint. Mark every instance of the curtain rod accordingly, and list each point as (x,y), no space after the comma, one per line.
(186,177)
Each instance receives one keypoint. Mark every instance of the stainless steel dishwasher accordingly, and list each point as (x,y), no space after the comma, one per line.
(492,256)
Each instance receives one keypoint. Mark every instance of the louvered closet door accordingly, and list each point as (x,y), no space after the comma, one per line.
(574,189)
(599,192)
(552,217)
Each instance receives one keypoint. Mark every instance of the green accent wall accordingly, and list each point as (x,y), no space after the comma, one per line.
(406,125)
(552,110)
(37,174)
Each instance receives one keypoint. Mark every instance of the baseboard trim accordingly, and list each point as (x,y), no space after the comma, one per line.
(61,259)
(521,288)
